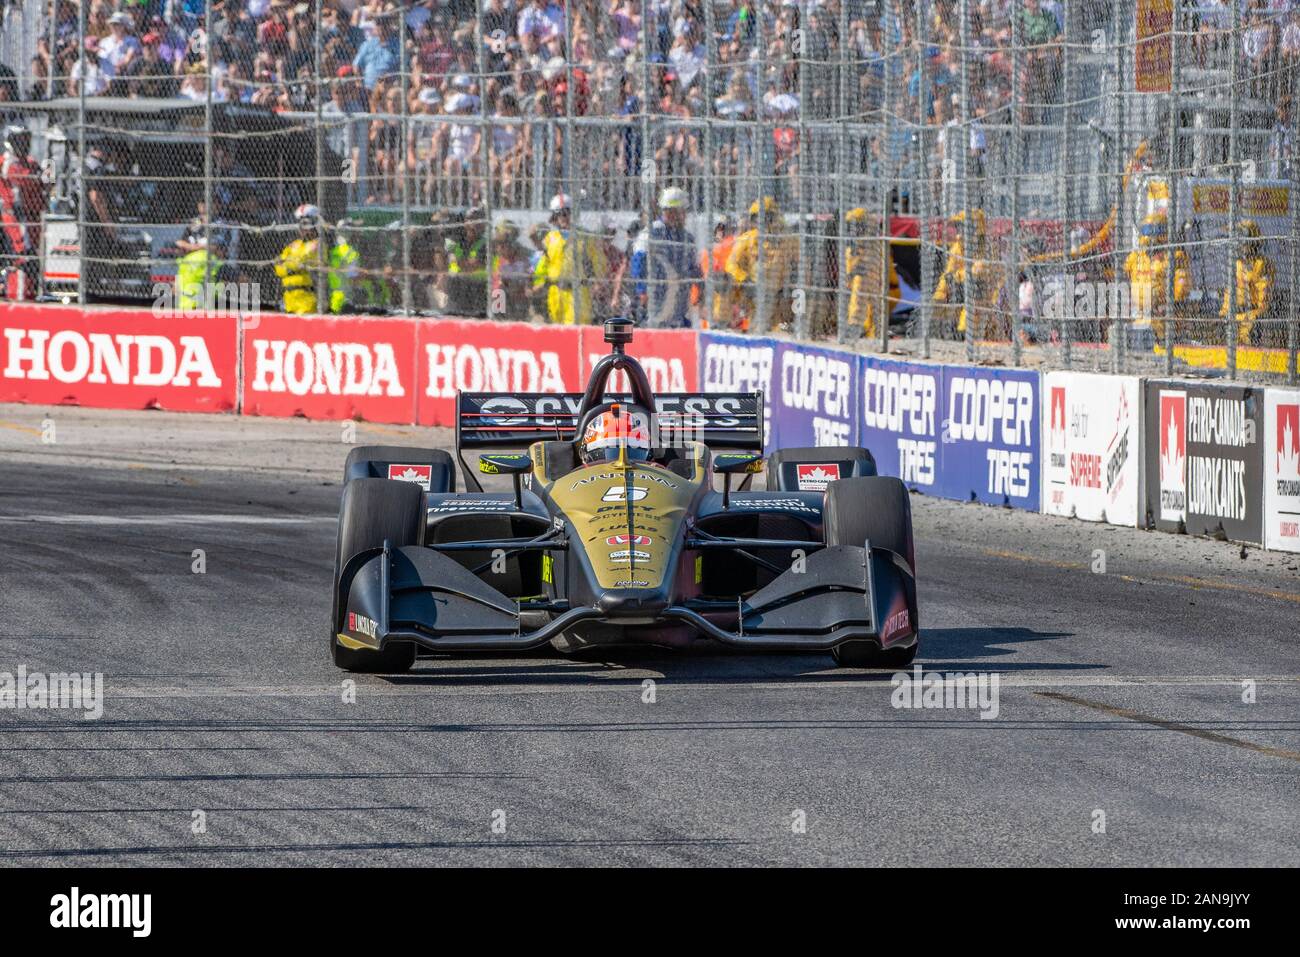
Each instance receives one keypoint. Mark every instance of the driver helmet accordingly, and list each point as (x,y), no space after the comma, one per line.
(611,433)
(308,217)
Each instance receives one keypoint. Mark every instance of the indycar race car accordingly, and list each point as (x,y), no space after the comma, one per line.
(614,533)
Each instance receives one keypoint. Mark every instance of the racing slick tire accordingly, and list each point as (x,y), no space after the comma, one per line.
(373,461)
(373,510)
(873,509)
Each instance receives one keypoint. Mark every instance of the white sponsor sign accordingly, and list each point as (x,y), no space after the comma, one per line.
(1091,446)
(1282,469)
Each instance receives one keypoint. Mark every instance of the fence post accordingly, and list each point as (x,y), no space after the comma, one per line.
(1234,195)
(1014,256)
(579,243)
(926,297)
(843,167)
(485,158)
(322,232)
(1068,269)
(967,250)
(1120,323)
(707,200)
(1172,231)
(208,133)
(1293,317)
(647,169)
(800,300)
(889,180)
(759,323)
(83,247)
(403,69)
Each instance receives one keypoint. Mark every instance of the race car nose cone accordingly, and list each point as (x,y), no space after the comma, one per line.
(633,605)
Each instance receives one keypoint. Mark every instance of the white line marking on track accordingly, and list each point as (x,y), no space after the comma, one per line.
(176,519)
(421,682)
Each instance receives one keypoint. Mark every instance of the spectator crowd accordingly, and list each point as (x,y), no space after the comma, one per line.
(453,104)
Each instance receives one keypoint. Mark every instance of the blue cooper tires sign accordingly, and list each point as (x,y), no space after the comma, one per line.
(989,437)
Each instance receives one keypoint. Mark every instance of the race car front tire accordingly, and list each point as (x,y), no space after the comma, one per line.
(873,509)
(378,461)
(375,510)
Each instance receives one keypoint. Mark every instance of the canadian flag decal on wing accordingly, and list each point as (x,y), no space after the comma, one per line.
(421,475)
(815,478)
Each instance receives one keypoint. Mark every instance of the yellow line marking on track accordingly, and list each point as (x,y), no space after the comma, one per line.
(1168,725)
(26,429)
(1188,580)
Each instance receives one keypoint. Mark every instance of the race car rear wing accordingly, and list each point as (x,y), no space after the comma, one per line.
(721,420)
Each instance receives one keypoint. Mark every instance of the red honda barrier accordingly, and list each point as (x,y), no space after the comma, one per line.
(668,356)
(117,358)
(327,368)
(491,357)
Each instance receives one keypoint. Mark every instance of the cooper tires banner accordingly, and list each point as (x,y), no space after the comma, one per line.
(731,363)
(901,423)
(989,438)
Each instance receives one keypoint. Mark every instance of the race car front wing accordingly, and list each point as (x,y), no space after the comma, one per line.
(833,595)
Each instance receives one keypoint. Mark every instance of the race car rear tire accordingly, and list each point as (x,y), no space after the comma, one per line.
(375,510)
(372,461)
(873,509)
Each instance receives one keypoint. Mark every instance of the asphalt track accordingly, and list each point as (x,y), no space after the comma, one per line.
(1121,693)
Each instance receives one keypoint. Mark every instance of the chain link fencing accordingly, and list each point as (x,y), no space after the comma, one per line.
(1057,183)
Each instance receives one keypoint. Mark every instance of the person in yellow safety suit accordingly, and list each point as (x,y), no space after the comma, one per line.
(743,264)
(344,265)
(1147,268)
(197,272)
(952,282)
(869,268)
(297,260)
(569,263)
(1255,276)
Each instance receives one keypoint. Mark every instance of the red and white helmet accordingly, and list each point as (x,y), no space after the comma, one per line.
(611,433)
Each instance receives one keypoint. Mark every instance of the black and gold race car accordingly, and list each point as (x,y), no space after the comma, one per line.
(622,526)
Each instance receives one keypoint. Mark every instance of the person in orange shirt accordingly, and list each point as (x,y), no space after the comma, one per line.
(713,261)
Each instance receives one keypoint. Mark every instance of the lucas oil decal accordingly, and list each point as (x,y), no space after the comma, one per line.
(421,475)
(815,478)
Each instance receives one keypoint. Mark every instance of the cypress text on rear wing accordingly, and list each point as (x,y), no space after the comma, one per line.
(721,420)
